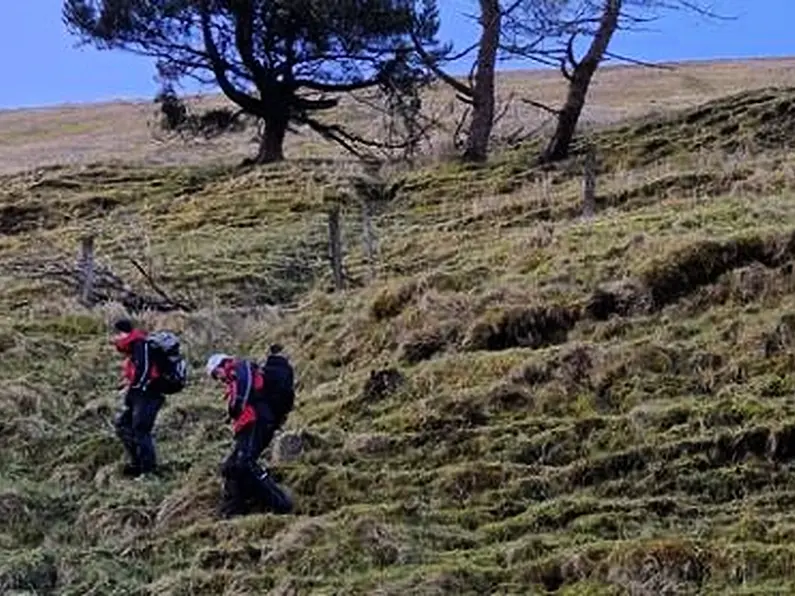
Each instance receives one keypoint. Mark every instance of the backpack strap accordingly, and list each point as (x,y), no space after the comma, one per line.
(241,386)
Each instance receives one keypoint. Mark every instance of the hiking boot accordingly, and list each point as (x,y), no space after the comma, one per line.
(230,509)
(131,471)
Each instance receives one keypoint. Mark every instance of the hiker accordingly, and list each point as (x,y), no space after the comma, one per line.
(258,401)
(142,399)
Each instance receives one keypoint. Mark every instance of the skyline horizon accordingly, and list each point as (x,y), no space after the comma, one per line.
(143,99)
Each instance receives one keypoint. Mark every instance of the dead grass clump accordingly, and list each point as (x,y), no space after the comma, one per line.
(576,367)
(535,373)
(609,386)
(623,298)
(287,447)
(746,285)
(225,557)
(377,541)
(459,414)
(391,301)
(377,444)
(751,283)
(781,337)
(94,206)
(123,522)
(290,445)
(464,482)
(192,502)
(702,263)
(608,467)
(34,570)
(295,539)
(20,219)
(426,343)
(522,328)
(510,397)
(381,384)
(665,568)
(17,516)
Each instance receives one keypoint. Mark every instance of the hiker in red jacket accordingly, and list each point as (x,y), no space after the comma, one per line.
(258,401)
(142,400)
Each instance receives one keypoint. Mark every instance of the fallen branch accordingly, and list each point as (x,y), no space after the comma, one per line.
(107,286)
(160,292)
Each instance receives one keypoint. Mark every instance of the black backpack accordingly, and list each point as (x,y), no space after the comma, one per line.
(165,351)
(279,390)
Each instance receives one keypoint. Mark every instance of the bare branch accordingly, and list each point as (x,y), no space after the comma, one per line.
(539,105)
(460,126)
(160,292)
(501,114)
(638,62)
(433,65)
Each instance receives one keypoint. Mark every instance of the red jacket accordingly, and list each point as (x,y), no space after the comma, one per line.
(243,384)
(137,368)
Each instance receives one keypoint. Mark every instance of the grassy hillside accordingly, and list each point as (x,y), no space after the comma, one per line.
(522,401)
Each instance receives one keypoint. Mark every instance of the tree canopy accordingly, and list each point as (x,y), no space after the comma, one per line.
(282,61)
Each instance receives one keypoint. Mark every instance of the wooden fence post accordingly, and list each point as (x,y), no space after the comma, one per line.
(589,185)
(335,246)
(87,270)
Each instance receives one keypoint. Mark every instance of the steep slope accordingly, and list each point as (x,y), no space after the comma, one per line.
(522,401)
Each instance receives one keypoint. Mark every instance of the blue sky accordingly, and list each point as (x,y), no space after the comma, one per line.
(42,66)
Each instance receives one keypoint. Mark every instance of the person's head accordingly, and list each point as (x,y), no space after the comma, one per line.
(215,367)
(121,329)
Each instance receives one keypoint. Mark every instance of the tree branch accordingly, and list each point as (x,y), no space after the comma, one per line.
(429,61)
(539,105)
(638,62)
(218,64)
(158,290)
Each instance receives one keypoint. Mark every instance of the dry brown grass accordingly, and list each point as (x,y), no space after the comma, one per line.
(119,131)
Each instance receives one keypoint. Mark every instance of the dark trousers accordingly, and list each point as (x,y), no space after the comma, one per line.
(134,427)
(245,482)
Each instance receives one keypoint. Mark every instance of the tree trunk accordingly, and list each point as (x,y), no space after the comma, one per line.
(579,81)
(271,146)
(483,87)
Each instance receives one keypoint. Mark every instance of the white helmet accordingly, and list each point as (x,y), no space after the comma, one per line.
(214,362)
